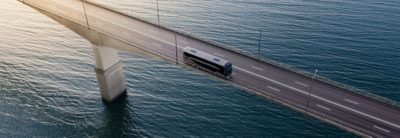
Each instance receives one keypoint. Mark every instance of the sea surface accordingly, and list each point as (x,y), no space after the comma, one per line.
(48,85)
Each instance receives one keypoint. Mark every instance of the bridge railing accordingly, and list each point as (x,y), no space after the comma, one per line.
(286,67)
(81,18)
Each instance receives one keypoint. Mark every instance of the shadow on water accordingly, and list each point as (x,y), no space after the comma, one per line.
(119,120)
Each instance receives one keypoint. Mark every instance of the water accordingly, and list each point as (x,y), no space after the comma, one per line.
(352,42)
(48,85)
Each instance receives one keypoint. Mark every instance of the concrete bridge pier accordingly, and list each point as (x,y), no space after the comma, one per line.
(109,73)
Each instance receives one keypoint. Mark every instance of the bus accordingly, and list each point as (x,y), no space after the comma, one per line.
(207,62)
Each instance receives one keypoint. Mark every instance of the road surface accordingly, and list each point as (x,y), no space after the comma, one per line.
(341,107)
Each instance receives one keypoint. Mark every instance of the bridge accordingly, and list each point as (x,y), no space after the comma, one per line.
(110,31)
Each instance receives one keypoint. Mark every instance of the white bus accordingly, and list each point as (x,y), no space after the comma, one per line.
(218,66)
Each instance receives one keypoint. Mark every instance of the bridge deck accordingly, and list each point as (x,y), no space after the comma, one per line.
(336,105)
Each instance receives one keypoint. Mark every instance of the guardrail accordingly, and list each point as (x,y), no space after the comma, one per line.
(288,68)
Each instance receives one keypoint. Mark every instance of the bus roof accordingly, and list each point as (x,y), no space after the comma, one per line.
(206,56)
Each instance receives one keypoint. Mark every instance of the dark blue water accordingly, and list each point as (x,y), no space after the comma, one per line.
(352,42)
(48,85)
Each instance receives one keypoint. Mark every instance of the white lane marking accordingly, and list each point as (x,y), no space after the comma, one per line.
(387,131)
(257,68)
(350,101)
(303,92)
(323,99)
(139,32)
(144,34)
(323,107)
(302,84)
(273,88)
(350,109)
(218,54)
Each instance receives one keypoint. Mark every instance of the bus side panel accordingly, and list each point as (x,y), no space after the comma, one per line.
(207,65)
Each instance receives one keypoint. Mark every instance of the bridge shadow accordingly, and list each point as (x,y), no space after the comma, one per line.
(120,120)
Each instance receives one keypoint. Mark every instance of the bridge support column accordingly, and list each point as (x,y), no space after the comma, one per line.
(109,73)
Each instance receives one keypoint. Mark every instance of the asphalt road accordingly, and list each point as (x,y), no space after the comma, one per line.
(327,102)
